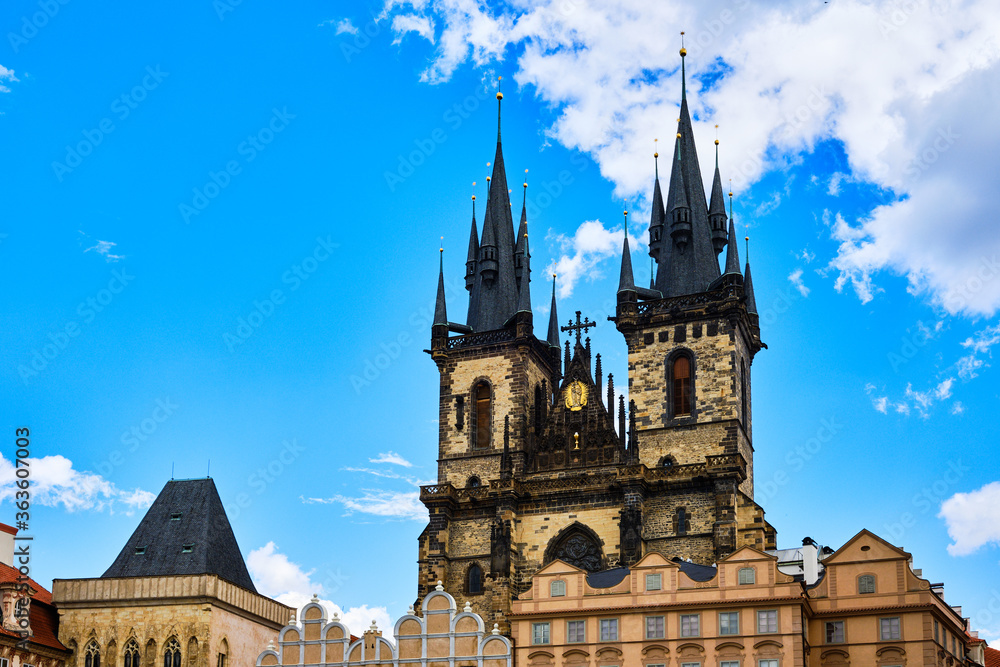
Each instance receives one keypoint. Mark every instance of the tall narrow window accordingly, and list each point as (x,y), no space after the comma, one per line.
(484,425)
(92,655)
(131,655)
(474,580)
(682,523)
(743,393)
(172,653)
(682,386)
(460,413)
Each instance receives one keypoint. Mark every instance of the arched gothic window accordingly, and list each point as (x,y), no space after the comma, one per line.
(131,654)
(172,653)
(474,580)
(483,405)
(681,385)
(92,654)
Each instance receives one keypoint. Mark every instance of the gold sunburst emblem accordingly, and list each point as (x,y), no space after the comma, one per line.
(575,396)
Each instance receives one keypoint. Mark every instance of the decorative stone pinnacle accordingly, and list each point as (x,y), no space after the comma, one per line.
(440,586)
(496,629)
(468,606)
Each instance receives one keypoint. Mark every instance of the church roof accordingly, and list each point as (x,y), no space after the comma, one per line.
(185,531)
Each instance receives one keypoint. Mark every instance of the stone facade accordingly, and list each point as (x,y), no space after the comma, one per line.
(567,470)
(207,616)
(745,612)
(440,636)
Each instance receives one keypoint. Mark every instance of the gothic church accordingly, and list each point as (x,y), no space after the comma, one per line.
(538,457)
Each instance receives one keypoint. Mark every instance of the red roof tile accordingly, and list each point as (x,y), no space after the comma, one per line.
(42,615)
(992,657)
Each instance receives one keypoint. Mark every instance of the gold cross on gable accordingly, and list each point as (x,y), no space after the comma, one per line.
(579,327)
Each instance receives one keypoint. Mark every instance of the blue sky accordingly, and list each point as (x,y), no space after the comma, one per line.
(220,242)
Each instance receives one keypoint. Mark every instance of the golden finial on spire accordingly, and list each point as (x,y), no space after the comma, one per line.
(683,50)
(441,249)
(473,191)
(716,135)
(678,135)
(656,152)
(499,94)
(525,178)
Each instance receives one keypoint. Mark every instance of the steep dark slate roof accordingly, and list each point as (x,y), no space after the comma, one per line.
(202,524)
(693,270)
(626,281)
(607,578)
(496,301)
(733,251)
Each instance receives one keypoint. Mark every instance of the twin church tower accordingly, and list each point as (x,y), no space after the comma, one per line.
(540,459)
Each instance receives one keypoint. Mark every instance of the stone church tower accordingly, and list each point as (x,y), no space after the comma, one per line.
(539,459)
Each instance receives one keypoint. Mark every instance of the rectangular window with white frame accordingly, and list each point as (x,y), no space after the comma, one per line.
(609,629)
(729,623)
(729,663)
(889,628)
(767,621)
(770,662)
(690,664)
(576,632)
(655,627)
(690,625)
(654,582)
(539,633)
(835,632)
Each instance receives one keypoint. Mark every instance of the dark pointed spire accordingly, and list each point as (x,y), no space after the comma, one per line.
(748,289)
(522,234)
(633,435)
(611,398)
(626,280)
(683,74)
(656,215)
(473,256)
(687,262)
(717,209)
(733,249)
(597,371)
(496,282)
(621,420)
(440,311)
(553,336)
(566,357)
(524,295)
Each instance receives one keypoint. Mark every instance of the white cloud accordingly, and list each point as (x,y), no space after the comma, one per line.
(583,255)
(909,97)
(795,277)
(391,457)
(833,189)
(6,75)
(377,502)
(973,519)
(957,408)
(881,403)
(278,577)
(343,26)
(806,256)
(406,23)
(104,248)
(980,343)
(55,482)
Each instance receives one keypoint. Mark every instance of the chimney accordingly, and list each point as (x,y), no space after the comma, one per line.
(810,561)
(7,534)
